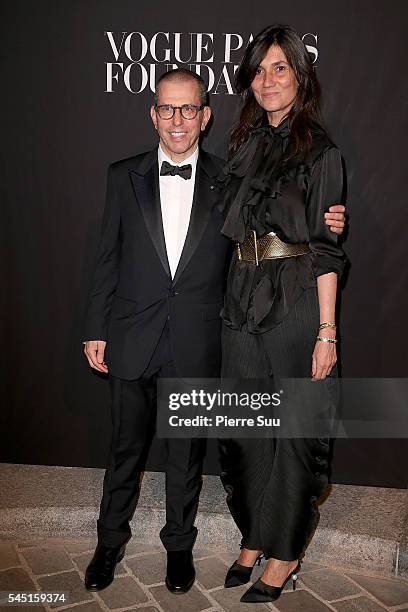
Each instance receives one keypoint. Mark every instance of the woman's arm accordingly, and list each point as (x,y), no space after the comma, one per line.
(326,186)
(324,355)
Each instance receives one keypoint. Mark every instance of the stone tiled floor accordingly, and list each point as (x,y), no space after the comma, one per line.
(58,566)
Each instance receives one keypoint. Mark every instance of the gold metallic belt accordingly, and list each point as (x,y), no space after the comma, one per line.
(253,249)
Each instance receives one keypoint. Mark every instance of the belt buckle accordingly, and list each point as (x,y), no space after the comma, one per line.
(253,232)
(251,235)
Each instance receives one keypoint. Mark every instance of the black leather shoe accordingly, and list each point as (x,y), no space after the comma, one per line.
(239,574)
(180,571)
(101,570)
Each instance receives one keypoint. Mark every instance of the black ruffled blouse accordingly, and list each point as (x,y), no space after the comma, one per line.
(262,192)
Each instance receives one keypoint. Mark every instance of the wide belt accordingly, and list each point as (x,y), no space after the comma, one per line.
(253,249)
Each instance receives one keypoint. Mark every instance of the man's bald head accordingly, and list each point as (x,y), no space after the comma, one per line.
(183,75)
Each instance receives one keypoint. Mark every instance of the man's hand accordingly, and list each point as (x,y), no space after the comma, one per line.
(94,352)
(336,218)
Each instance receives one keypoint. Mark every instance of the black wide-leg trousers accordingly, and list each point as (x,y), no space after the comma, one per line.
(272,484)
(133,419)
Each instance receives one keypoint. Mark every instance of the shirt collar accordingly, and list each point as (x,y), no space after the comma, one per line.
(161,155)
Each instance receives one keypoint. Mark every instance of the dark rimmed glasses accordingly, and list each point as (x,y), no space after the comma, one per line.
(188,111)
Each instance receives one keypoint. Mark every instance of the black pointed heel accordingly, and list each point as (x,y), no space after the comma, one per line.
(261,592)
(240,574)
(120,558)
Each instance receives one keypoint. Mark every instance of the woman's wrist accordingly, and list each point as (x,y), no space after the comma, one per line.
(329,333)
(326,332)
(326,340)
(327,328)
(327,325)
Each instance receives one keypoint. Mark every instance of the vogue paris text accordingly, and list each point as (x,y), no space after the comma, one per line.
(136,60)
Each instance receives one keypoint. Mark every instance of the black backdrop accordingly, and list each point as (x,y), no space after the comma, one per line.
(61,128)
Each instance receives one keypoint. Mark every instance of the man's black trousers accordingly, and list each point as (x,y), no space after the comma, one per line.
(133,420)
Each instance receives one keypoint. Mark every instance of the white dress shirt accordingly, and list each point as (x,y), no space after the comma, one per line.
(176,199)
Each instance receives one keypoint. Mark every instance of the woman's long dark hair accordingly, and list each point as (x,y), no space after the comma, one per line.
(305,112)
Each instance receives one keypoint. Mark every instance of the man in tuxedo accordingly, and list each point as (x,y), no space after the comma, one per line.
(153,312)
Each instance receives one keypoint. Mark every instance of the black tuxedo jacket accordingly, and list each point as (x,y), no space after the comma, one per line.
(133,295)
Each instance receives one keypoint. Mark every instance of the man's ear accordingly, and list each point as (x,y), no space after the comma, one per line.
(153,116)
(206,117)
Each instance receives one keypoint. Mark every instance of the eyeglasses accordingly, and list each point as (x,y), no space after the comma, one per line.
(188,111)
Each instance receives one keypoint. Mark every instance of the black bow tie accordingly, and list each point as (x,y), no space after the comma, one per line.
(169,170)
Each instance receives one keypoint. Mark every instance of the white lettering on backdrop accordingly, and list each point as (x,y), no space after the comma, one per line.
(136,60)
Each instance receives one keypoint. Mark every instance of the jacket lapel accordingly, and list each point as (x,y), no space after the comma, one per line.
(145,181)
(204,200)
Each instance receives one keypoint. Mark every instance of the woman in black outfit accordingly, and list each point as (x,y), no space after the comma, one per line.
(279,313)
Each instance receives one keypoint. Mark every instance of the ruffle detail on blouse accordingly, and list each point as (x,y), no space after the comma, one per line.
(250,180)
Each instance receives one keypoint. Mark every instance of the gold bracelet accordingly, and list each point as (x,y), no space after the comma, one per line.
(327,325)
(331,340)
